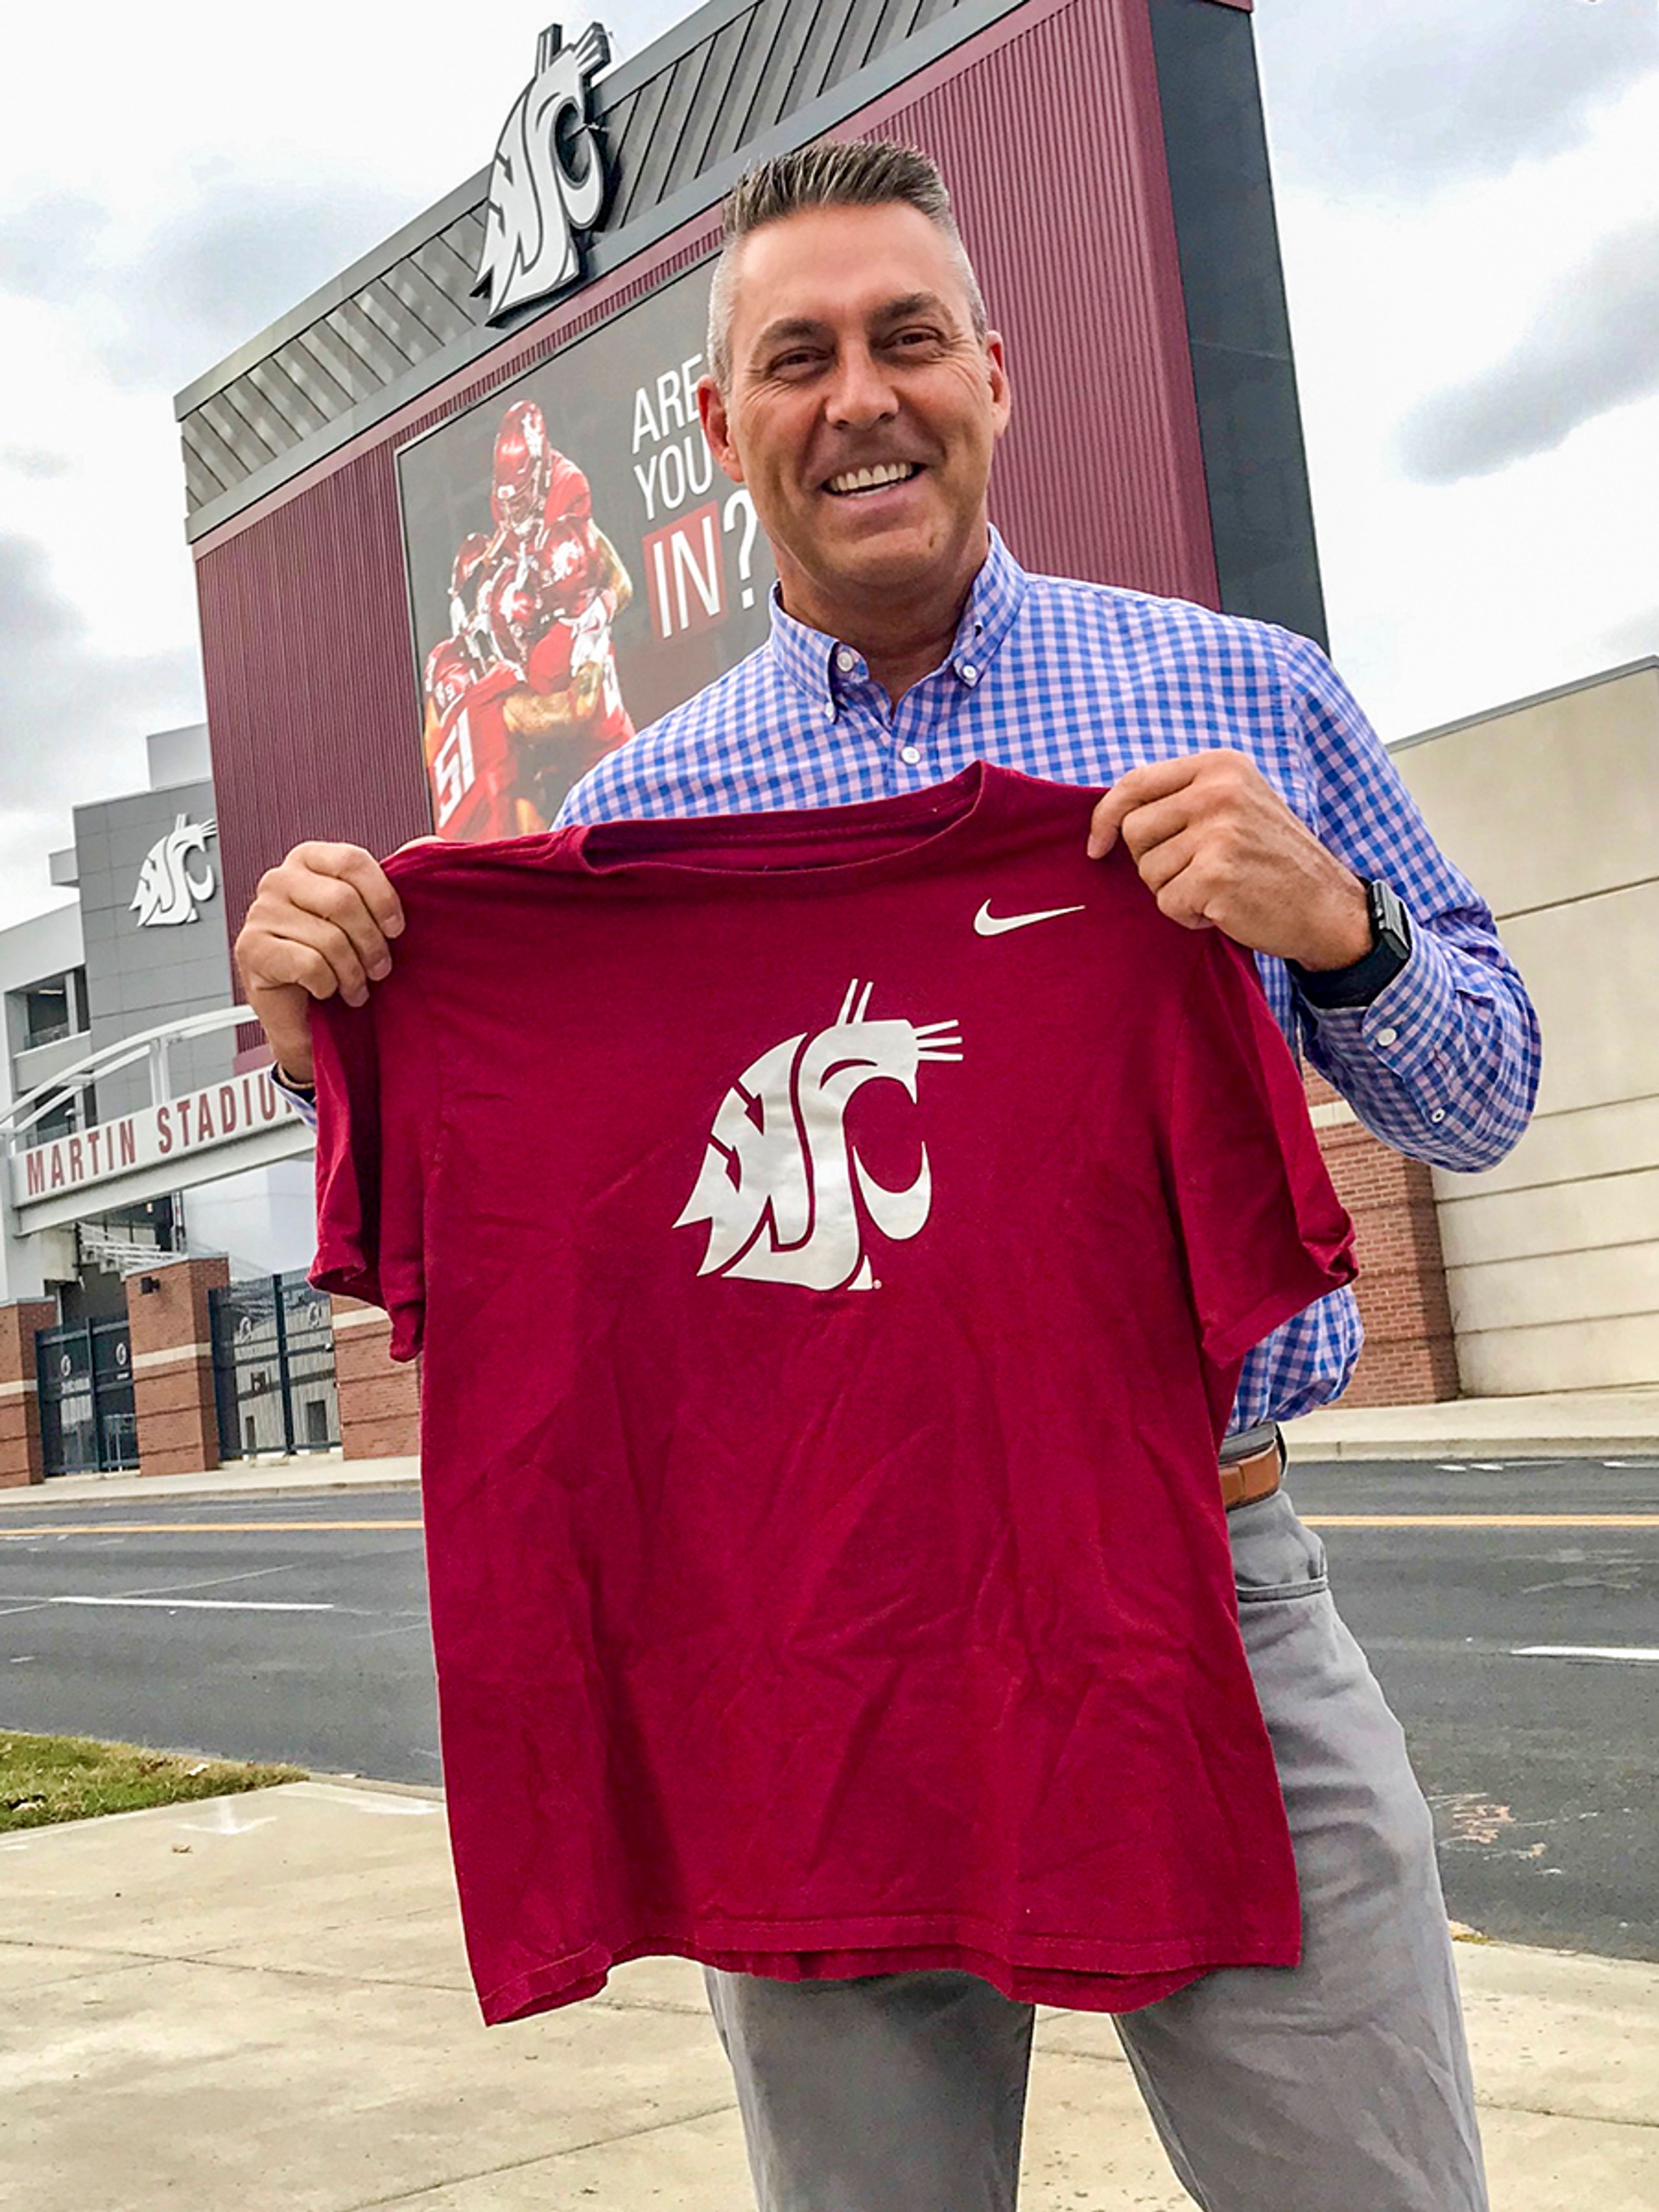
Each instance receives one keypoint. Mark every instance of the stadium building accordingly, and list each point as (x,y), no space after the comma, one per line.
(136,1147)
(361,479)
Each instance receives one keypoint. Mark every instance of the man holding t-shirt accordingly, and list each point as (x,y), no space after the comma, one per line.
(857,391)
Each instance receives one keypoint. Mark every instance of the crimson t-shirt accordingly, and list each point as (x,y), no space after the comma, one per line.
(833,1238)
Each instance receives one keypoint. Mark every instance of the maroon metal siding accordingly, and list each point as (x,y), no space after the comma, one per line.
(1047,129)
(1052,147)
(312,705)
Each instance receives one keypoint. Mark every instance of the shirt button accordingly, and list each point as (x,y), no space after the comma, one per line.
(846,662)
(829,710)
(1438,1114)
(1388,1037)
(969,674)
(910,754)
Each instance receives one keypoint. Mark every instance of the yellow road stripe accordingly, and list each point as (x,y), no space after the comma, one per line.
(1481,1520)
(191,1528)
(1311,1520)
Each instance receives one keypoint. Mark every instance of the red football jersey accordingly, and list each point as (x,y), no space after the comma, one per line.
(833,1238)
(472,763)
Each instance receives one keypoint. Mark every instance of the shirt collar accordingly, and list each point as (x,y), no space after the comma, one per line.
(808,657)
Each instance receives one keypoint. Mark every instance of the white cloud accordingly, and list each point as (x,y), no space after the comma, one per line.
(1394,103)
(64,699)
(133,99)
(1446,596)
(1593,345)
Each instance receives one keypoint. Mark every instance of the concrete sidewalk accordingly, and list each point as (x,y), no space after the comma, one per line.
(1575,1424)
(261,2002)
(1556,1425)
(308,1472)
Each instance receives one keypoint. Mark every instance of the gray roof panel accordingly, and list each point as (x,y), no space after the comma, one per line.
(324,390)
(788,31)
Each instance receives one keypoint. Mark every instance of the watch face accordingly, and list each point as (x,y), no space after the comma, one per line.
(1391,926)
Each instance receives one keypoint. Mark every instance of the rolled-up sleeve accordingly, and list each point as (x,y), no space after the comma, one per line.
(304,1102)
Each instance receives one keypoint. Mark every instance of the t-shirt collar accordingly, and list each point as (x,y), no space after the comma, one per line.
(812,660)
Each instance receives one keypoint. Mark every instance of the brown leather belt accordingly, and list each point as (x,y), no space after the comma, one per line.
(1247,1479)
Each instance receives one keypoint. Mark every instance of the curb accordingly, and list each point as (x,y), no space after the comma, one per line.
(120,1490)
(1311,1450)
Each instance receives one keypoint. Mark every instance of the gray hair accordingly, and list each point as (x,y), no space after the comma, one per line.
(874,172)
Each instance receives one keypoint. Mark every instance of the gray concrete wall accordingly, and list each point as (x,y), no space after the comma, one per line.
(46,944)
(139,978)
(1552,807)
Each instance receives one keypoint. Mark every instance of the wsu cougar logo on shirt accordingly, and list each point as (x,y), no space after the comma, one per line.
(782,1187)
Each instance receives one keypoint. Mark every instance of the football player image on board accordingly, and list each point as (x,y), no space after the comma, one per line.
(472,761)
(523,697)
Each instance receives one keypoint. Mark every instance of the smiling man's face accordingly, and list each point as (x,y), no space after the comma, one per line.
(861,412)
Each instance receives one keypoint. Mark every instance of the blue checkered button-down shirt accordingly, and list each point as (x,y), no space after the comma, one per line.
(1079,684)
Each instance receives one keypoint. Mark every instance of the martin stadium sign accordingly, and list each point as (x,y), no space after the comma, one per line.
(173,1134)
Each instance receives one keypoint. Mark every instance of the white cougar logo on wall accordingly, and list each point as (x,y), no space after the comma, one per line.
(167,892)
(537,203)
(782,1181)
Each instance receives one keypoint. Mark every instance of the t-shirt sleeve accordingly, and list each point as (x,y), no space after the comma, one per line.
(1264,1231)
(374,1145)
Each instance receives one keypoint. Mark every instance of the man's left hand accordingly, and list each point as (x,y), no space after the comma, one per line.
(1219,849)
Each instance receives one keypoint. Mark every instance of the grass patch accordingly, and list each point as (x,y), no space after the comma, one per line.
(47,1778)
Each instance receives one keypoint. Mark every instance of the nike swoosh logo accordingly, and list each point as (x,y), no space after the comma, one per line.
(991,925)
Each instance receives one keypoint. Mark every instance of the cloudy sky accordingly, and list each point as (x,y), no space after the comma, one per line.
(1469,204)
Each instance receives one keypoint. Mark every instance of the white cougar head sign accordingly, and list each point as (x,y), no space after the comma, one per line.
(169,889)
(548,181)
(782,1187)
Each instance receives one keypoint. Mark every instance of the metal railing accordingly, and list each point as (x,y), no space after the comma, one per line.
(150,1045)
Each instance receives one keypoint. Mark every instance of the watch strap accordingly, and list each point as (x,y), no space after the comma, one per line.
(1366,978)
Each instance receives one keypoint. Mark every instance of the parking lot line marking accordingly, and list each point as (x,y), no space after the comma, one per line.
(1631,1654)
(1481,1520)
(188,1527)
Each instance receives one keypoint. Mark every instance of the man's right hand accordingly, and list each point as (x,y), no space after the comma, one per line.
(321,923)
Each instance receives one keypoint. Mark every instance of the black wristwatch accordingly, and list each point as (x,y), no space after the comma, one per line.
(1357,985)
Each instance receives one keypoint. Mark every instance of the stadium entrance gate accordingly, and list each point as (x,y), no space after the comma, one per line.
(88,1424)
(273,1367)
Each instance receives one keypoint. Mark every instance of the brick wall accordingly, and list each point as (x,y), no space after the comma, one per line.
(379,1398)
(19,1401)
(1410,1357)
(171,1335)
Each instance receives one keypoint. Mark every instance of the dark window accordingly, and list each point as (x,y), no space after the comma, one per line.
(48,1012)
(60,1120)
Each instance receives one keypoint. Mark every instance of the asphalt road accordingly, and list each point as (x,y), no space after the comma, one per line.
(295,1627)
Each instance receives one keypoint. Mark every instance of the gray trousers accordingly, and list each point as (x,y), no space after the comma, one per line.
(1340,2085)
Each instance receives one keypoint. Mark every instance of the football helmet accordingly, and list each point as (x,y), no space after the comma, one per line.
(512,609)
(518,479)
(449,674)
(466,577)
